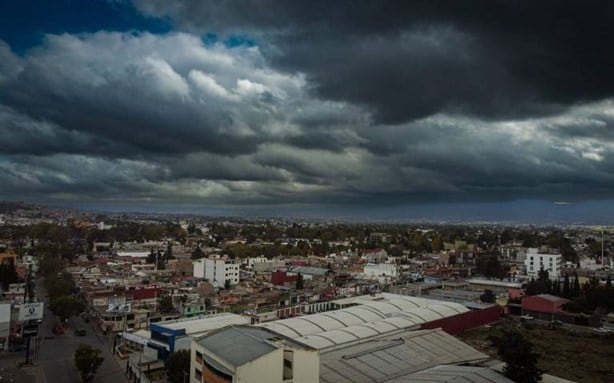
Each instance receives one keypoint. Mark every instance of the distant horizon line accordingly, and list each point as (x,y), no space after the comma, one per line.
(449,214)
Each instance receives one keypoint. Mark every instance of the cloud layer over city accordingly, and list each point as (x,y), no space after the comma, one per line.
(316,103)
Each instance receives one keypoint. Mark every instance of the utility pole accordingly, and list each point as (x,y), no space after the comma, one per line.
(602,252)
(28,297)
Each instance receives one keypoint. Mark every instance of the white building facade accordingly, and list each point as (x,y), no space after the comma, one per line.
(536,261)
(378,270)
(217,271)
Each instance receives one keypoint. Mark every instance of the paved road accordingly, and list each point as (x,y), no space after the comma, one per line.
(57,351)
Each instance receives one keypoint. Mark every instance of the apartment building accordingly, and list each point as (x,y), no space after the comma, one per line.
(250,354)
(217,271)
(536,261)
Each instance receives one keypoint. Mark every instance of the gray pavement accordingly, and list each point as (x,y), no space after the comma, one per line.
(56,355)
(12,371)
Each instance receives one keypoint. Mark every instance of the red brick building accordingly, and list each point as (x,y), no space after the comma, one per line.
(280,278)
(544,306)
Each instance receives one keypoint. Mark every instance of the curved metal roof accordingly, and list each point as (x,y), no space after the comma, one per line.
(406,304)
(380,326)
(371,318)
(448,309)
(282,328)
(347,317)
(316,341)
(362,331)
(366,313)
(339,336)
(384,308)
(323,321)
(401,322)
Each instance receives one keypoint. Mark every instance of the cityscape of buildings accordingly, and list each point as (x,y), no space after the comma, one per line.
(280,300)
(293,191)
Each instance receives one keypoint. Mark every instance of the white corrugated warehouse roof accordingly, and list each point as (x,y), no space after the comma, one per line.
(370,318)
(207,323)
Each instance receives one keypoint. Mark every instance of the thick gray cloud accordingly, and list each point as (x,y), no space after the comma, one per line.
(345,109)
(410,59)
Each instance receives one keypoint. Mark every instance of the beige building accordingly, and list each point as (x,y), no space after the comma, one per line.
(251,354)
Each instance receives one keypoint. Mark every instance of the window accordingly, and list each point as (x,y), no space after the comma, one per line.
(198,374)
(288,364)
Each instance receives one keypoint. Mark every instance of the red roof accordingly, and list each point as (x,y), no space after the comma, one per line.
(145,293)
(136,294)
(544,303)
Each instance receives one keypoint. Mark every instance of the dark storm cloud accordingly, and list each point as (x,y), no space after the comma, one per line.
(96,86)
(158,94)
(22,134)
(359,103)
(409,59)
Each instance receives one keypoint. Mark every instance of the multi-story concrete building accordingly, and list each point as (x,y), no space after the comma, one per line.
(217,271)
(5,325)
(536,261)
(381,270)
(250,354)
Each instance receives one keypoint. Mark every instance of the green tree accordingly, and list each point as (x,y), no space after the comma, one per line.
(177,366)
(192,229)
(58,286)
(151,257)
(531,288)
(197,253)
(566,287)
(488,296)
(452,260)
(489,266)
(87,361)
(8,275)
(437,244)
(165,305)
(300,284)
(519,357)
(227,284)
(157,258)
(544,282)
(575,290)
(49,265)
(556,288)
(66,306)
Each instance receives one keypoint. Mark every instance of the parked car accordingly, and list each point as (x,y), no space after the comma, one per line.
(59,329)
(80,331)
(15,347)
(554,324)
(603,331)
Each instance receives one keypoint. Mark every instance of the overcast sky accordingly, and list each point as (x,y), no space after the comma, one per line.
(306,104)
